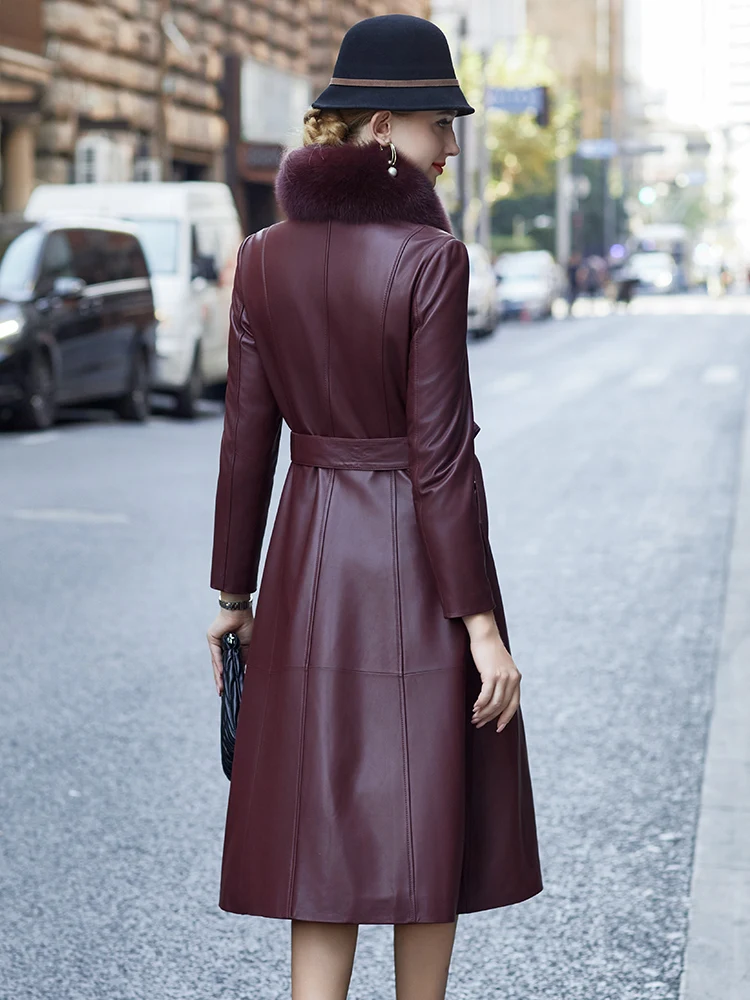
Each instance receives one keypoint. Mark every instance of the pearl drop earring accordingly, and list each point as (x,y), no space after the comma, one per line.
(392,162)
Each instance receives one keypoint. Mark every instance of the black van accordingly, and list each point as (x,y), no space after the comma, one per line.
(77,320)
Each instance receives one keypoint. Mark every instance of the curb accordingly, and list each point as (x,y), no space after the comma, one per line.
(717,953)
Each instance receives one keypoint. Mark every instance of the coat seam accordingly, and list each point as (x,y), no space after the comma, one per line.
(414,346)
(376,673)
(303,720)
(279,367)
(384,310)
(234,452)
(402,699)
(237,409)
(416,469)
(467,853)
(249,811)
(327,371)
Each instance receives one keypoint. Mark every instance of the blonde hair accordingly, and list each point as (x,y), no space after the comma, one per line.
(333,127)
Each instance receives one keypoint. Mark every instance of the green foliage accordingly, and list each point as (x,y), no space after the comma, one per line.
(508,212)
(522,153)
(512,244)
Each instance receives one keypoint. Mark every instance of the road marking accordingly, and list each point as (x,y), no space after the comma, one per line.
(68,516)
(510,382)
(721,374)
(647,377)
(690,305)
(580,381)
(44,437)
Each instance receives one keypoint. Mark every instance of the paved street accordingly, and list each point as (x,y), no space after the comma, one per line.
(610,446)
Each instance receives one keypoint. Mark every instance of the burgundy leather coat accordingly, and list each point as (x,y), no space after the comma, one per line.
(361,792)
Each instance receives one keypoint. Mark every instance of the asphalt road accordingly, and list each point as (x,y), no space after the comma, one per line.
(610,449)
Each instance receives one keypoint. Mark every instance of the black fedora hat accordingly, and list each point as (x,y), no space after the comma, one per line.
(394,62)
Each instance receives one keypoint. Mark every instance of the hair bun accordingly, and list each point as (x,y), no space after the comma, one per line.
(324,127)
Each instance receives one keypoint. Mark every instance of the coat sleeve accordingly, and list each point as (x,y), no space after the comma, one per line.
(440,429)
(247,459)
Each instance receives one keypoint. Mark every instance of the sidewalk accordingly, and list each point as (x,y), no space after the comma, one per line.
(717,957)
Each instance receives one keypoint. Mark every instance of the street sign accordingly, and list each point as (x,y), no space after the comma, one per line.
(597,149)
(515,100)
(632,147)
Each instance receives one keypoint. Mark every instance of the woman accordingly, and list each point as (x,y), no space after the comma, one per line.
(380,772)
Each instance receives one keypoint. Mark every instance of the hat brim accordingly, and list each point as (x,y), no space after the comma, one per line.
(394,99)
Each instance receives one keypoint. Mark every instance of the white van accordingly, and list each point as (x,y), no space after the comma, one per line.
(190,233)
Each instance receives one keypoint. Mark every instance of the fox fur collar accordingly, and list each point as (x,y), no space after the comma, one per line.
(349,183)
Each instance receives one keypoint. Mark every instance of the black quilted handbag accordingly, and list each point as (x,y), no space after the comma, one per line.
(234,676)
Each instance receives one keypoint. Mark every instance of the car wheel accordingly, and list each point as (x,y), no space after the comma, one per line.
(191,393)
(39,409)
(135,404)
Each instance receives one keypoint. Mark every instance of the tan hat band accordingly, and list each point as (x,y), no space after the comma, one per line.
(341,81)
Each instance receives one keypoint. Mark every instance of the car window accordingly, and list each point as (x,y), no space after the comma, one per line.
(160,239)
(655,261)
(522,267)
(19,256)
(123,256)
(137,265)
(89,255)
(206,241)
(57,261)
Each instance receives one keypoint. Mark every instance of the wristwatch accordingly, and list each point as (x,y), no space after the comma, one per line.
(236,605)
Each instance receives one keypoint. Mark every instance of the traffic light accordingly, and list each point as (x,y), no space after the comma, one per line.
(543,114)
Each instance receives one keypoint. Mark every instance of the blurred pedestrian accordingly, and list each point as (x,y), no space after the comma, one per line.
(625,285)
(368,785)
(574,277)
(595,275)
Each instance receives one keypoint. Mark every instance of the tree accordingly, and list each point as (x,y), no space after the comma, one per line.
(522,153)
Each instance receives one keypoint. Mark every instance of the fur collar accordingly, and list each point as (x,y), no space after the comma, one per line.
(351,184)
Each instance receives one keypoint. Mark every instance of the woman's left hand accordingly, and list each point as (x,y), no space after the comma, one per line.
(240,622)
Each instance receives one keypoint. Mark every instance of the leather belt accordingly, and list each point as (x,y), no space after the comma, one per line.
(350,453)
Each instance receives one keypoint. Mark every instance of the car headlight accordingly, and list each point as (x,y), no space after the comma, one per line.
(10,328)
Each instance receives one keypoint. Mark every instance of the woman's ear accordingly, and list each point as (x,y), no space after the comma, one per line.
(380,125)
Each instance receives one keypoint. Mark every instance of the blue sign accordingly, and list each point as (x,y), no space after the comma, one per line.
(597,149)
(515,100)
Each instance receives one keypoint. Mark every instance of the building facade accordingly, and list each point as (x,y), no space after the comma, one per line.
(24,76)
(166,89)
(587,54)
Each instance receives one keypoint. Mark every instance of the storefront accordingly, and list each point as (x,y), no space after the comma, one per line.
(264,108)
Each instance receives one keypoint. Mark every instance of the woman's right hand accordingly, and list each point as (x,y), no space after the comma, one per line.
(501,678)
(240,622)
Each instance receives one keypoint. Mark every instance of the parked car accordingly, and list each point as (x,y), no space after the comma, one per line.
(655,271)
(190,232)
(482,318)
(528,283)
(77,320)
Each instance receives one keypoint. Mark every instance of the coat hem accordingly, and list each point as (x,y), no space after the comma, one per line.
(362,917)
